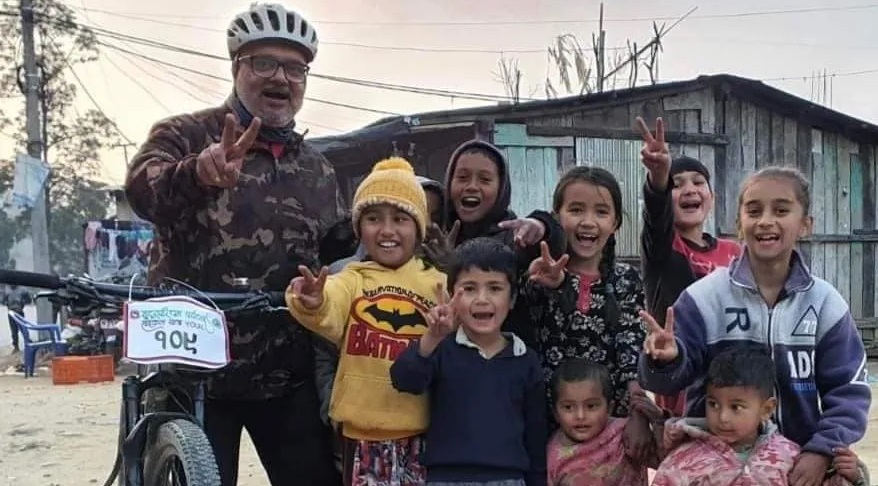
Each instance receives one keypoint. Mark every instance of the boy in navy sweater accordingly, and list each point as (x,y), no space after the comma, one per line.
(487,394)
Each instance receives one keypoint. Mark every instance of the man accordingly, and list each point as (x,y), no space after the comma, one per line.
(16,298)
(234,191)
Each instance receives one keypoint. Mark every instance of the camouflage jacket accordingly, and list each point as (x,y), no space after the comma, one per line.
(263,228)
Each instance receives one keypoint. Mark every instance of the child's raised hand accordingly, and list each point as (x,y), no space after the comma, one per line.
(528,231)
(308,288)
(440,245)
(547,271)
(660,344)
(440,319)
(655,154)
(846,465)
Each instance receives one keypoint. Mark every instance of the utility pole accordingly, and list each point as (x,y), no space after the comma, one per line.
(599,51)
(32,82)
(124,149)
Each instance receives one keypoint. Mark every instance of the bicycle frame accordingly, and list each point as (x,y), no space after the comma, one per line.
(137,424)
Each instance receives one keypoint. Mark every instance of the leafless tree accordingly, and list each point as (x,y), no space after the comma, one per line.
(509,75)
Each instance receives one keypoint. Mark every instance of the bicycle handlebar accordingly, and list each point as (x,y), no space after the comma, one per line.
(92,290)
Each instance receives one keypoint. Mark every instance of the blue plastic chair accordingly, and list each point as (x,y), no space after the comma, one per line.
(31,347)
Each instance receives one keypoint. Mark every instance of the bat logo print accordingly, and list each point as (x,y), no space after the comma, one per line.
(395,319)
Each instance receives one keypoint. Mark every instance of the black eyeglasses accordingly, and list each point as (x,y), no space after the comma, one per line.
(266,67)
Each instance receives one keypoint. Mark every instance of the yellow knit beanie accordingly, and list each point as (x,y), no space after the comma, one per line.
(392,181)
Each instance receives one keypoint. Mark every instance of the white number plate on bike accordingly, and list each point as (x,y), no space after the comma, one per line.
(175,330)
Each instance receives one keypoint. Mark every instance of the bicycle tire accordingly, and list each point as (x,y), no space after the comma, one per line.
(185,441)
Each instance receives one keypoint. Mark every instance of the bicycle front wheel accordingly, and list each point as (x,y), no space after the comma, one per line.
(180,455)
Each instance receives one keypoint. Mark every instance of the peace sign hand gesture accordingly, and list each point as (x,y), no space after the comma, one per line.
(660,343)
(308,288)
(440,321)
(547,271)
(219,165)
(440,245)
(655,154)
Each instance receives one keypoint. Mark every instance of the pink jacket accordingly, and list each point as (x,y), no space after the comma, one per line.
(706,460)
(598,462)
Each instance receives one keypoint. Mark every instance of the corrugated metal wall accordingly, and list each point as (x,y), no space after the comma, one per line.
(536,164)
(622,159)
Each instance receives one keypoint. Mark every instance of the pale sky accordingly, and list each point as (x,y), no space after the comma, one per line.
(792,46)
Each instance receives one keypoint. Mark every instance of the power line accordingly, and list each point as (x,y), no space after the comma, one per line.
(159,78)
(421,90)
(220,78)
(450,50)
(523,22)
(812,76)
(88,93)
(138,83)
(174,74)
(184,50)
(340,79)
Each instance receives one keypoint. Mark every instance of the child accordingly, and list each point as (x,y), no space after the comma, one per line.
(591,310)
(435,200)
(478,192)
(768,296)
(588,449)
(737,443)
(371,310)
(486,389)
(435,205)
(675,249)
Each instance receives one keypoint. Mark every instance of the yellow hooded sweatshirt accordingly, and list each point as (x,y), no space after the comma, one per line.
(372,313)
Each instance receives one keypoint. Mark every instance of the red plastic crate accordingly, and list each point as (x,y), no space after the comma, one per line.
(68,370)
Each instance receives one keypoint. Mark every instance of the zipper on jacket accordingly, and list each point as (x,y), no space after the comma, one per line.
(778,412)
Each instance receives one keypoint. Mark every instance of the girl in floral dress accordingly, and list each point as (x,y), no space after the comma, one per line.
(586,304)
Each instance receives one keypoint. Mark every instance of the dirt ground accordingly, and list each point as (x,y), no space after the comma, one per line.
(66,435)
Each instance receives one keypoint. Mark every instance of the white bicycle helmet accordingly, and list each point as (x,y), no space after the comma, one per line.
(271,21)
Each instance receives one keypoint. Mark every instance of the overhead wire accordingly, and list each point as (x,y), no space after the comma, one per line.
(138,83)
(469,50)
(450,50)
(431,91)
(211,76)
(88,93)
(228,80)
(752,13)
(374,84)
(340,79)
(160,79)
(119,36)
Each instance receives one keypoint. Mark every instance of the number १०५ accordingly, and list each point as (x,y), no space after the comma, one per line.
(177,340)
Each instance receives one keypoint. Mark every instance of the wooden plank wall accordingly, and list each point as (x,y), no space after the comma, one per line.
(689,112)
(842,174)
(844,188)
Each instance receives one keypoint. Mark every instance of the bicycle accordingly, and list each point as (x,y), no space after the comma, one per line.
(156,447)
